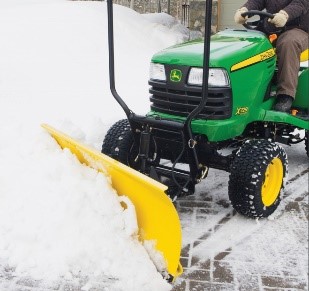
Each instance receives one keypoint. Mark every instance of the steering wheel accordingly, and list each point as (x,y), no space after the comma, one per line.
(255,24)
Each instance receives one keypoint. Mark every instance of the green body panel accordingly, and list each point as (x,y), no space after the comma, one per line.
(302,93)
(226,49)
(280,117)
(249,81)
(215,130)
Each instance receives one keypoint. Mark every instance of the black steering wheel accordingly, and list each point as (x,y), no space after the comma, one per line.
(255,24)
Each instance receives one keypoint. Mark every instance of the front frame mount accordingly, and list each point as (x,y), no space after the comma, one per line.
(143,126)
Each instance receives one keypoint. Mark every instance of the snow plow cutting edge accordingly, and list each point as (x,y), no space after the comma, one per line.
(156,215)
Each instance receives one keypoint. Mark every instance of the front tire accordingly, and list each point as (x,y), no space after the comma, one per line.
(119,143)
(257,175)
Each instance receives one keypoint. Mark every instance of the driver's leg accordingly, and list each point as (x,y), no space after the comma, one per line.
(290,45)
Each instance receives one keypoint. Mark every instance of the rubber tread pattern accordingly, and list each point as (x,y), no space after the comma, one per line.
(247,175)
(307,142)
(118,141)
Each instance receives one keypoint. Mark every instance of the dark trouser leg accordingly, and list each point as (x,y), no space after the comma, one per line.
(290,45)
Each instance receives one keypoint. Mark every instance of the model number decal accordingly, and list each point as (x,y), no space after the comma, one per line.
(242,110)
(253,60)
(267,55)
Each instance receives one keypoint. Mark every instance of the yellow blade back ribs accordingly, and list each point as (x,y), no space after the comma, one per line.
(156,215)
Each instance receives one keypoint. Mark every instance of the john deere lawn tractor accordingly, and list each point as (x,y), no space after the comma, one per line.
(211,107)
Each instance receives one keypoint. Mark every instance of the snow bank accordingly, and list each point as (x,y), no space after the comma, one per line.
(62,218)
(59,219)
(170,23)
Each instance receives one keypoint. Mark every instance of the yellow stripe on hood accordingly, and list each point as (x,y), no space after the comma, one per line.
(253,60)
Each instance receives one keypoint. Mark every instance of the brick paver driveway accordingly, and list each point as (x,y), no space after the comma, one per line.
(225,251)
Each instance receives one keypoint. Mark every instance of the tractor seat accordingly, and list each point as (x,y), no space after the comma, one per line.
(304,56)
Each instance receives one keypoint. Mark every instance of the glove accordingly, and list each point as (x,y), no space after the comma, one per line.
(238,18)
(279,19)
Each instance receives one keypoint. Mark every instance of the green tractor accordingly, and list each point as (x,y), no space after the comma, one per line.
(211,107)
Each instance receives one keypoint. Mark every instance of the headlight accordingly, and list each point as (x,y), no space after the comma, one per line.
(157,72)
(217,77)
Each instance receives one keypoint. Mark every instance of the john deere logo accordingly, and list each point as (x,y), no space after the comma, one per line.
(175,75)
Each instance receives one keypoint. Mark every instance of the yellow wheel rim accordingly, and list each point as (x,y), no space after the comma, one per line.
(272,183)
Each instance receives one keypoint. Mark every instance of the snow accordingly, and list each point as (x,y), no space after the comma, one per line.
(59,219)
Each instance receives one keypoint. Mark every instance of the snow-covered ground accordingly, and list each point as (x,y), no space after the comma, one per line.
(60,220)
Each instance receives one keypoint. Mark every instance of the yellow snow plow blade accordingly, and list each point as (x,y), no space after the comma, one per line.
(156,215)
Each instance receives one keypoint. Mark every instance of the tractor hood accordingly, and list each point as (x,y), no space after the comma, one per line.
(226,49)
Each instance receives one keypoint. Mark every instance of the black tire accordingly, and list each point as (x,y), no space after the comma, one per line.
(256,179)
(307,142)
(119,143)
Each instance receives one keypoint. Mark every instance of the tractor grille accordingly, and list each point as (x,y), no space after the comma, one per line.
(181,101)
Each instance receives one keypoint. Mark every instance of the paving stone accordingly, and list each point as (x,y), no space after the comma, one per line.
(197,242)
(185,251)
(22,288)
(205,265)
(222,272)
(185,210)
(182,286)
(50,286)
(199,275)
(71,287)
(221,256)
(225,219)
(247,282)
(224,203)
(184,262)
(28,282)
(299,199)
(206,235)
(205,196)
(292,206)
(195,260)
(283,282)
(278,289)
(203,286)
(192,204)
(216,227)
(202,212)
(305,209)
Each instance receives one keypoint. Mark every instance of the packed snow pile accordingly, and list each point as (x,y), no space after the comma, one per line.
(59,219)
(170,23)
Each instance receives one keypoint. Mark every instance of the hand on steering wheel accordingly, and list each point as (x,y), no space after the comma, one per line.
(254,24)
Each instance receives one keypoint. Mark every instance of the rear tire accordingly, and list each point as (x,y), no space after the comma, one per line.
(307,142)
(257,175)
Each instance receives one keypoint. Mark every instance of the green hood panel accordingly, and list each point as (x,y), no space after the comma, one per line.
(227,48)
